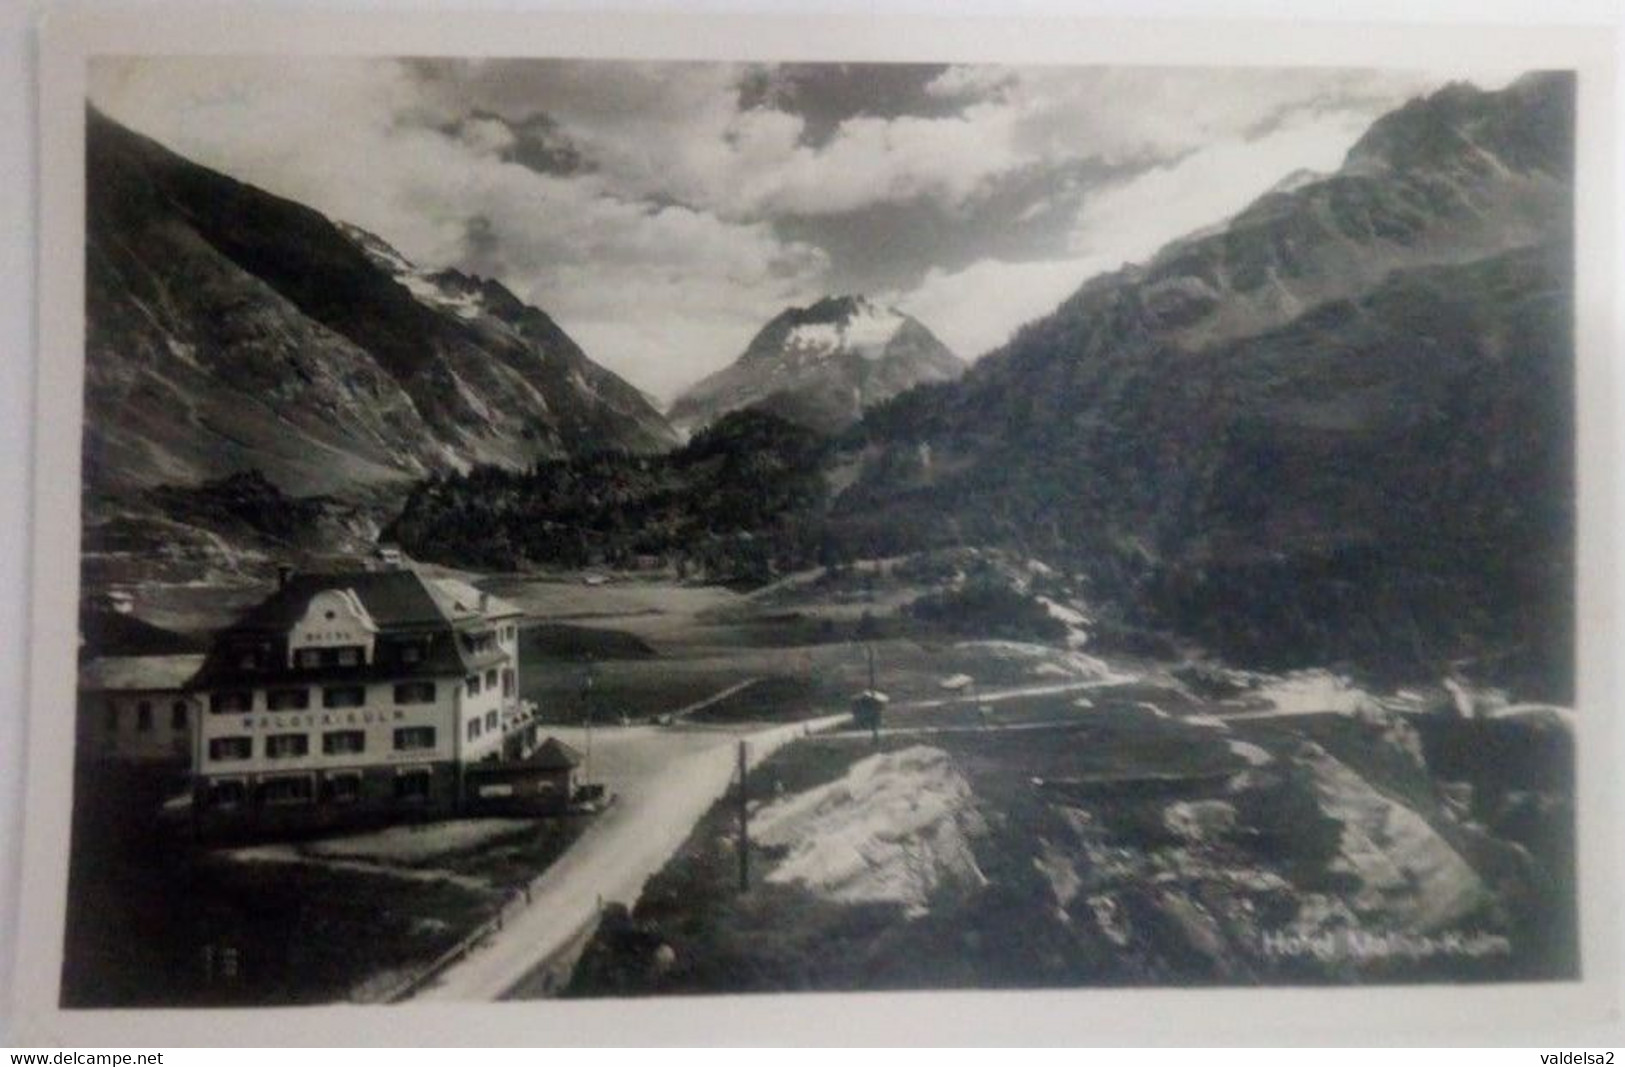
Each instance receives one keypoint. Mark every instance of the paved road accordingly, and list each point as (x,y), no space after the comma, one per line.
(665,779)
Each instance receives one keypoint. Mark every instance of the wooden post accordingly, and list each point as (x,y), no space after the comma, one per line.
(744,824)
(874,699)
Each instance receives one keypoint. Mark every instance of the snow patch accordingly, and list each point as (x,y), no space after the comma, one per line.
(867,331)
(1255,756)
(1312,692)
(897,828)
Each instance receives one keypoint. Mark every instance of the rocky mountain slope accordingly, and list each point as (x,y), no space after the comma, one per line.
(1339,426)
(823,365)
(231,330)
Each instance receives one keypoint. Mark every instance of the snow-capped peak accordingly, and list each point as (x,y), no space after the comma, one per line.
(851,324)
(464,301)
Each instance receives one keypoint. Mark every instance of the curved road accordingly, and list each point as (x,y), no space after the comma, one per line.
(665,779)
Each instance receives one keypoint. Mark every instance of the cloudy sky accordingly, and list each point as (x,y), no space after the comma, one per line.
(663,212)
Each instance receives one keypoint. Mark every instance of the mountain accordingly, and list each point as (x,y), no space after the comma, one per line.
(229,329)
(1339,426)
(822,366)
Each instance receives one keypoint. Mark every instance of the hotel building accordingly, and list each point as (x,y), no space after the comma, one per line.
(365,693)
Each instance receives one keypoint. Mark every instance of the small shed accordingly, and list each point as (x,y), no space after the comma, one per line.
(867,707)
(547,780)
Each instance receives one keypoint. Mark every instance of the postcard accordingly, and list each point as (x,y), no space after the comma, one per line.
(604,527)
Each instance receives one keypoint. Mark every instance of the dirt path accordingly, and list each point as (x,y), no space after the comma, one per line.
(715,698)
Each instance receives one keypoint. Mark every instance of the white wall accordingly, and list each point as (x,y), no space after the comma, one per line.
(378,718)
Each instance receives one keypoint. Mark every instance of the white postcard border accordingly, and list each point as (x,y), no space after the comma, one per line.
(1486,1013)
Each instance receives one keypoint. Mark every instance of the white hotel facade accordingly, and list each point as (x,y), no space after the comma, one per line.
(355,694)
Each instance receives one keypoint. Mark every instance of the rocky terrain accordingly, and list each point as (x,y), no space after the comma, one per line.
(230,330)
(1338,426)
(1160,841)
(822,366)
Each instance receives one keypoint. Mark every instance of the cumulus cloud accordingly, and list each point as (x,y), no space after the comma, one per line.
(1126,221)
(663,211)
(377,144)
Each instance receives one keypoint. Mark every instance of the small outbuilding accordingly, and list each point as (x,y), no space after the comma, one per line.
(547,780)
(867,707)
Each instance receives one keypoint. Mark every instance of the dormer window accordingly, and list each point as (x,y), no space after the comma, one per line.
(411,652)
(308,658)
(349,657)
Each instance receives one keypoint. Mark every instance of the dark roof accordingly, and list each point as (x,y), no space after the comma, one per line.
(394,599)
(555,755)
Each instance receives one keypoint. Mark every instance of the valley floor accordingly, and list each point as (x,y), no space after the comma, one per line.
(1031,813)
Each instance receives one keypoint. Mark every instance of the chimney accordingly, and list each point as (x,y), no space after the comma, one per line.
(284,572)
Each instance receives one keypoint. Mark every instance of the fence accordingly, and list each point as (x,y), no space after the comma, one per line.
(762,744)
(515,902)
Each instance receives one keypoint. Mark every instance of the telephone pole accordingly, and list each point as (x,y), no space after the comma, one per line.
(744,823)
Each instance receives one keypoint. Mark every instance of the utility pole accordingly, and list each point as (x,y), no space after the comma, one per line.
(586,708)
(744,823)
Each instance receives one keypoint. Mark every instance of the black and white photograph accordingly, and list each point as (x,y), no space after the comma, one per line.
(566,527)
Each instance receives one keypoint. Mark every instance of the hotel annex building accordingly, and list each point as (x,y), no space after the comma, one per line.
(364,693)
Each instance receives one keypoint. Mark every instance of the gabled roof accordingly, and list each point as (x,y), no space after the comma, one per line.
(459,600)
(394,599)
(555,755)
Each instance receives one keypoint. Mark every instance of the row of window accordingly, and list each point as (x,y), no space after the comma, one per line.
(334,743)
(293,789)
(333,696)
(474,684)
(179,716)
(254,657)
(475,728)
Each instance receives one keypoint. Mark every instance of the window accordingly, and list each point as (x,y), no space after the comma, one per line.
(474,685)
(415,693)
(112,717)
(473,729)
(490,720)
(342,788)
(231,701)
(344,742)
(179,717)
(228,793)
(507,681)
(491,678)
(248,660)
(290,789)
(411,652)
(143,716)
(308,658)
(287,699)
(409,738)
(286,746)
(344,696)
(412,785)
(349,657)
(227,749)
